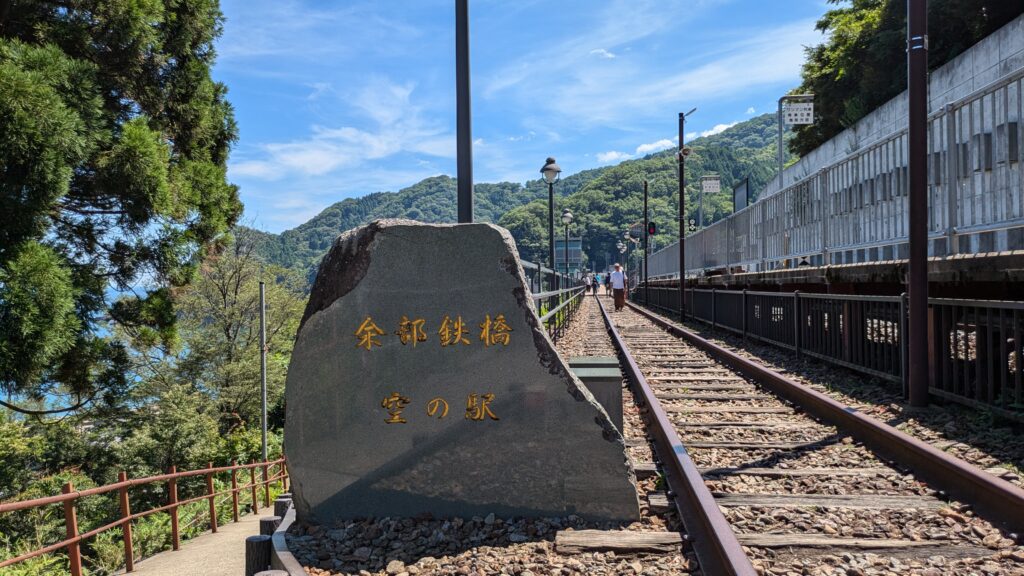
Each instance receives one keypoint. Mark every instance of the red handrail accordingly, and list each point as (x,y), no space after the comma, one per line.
(69,496)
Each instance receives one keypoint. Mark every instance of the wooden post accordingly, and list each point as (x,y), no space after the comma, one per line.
(71,529)
(234,490)
(257,554)
(284,477)
(213,503)
(266,485)
(172,491)
(126,528)
(272,573)
(252,485)
(268,524)
(281,506)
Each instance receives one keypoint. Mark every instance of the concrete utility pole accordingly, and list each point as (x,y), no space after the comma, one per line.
(464,118)
(917,285)
(263,368)
(647,234)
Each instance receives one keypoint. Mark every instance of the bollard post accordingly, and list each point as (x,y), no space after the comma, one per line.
(234,490)
(71,529)
(213,503)
(126,528)
(272,573)
(714,308)
(257,554)
(268,524)
(281,506)
(252,486)
(172,491)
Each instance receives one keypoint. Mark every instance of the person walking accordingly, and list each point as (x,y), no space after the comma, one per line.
(619,283)
(597,282)
(587,281)
(608,284)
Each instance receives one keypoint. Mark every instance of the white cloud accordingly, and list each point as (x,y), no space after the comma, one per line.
(602,53)
(594,94)
(751,110)
(662,144)
(612,156)
(398,125)
(718,129)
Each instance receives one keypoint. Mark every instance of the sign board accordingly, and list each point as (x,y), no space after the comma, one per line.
(741,195)
(796,113)
(711,184)
(420,384)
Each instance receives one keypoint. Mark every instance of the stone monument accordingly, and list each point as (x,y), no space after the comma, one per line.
(422,382)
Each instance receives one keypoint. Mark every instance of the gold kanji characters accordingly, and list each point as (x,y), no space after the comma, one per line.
(478,406)
(411,331)
(453,332)
(496,331)
(368,334)
(435,405)
(394,404)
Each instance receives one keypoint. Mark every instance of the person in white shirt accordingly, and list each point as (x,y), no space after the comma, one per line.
(587,281)
(619,283)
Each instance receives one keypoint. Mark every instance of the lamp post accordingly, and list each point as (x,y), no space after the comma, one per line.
(566,220)
(917,137)
(551,172)
(682,154)
(464,119)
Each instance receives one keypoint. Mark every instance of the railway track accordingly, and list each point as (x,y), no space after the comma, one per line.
(765,487)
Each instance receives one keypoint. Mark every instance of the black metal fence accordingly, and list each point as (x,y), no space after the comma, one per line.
(975,346)
(559,303)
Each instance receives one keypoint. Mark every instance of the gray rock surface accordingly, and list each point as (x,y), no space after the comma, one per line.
(514,433)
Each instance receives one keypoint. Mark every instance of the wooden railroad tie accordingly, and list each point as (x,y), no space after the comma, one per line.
(618,541)
(787,473)
(728,410)
(858,501)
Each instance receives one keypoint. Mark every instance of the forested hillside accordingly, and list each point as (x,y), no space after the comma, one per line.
(604,200)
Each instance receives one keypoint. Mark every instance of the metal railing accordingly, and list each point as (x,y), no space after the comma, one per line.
(855,210)
(559,303)
(69,496)
(975,346)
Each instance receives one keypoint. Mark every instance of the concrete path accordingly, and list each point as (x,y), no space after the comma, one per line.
(220,554)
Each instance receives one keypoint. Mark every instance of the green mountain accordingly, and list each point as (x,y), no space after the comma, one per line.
(605,201)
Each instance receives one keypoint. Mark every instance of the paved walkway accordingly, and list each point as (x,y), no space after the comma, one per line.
(220,554)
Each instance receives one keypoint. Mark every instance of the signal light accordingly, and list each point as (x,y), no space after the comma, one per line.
(651,229)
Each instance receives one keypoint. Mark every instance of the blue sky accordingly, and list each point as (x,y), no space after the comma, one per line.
(340,99)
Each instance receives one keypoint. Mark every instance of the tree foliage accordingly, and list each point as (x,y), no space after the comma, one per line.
(863,62)
(113,174)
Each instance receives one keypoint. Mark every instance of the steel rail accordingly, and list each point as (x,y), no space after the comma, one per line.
(997,499)
(710,534)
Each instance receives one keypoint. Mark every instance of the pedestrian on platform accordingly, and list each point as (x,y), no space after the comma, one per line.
(618,280)
(587,281)
(607,284)
(597,282)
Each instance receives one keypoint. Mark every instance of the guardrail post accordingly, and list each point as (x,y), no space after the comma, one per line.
(714,308)
(266,486)
(172,492)
(904,342)
(213,503)
(796,322)
(234,490)
(71,529)
(126,530)
(744,313)
(252,485)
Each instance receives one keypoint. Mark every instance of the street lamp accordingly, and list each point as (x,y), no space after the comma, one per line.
(551,172)
(566,220)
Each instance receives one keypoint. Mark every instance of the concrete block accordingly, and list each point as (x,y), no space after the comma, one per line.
(406,395)
(605,383)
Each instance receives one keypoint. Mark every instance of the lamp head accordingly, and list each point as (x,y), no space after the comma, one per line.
(551,171)
(566,217)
